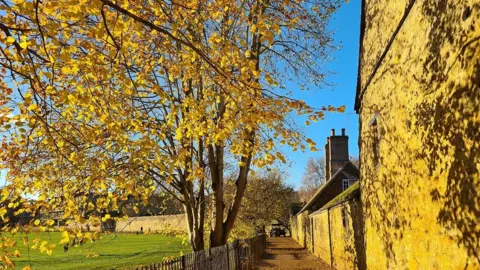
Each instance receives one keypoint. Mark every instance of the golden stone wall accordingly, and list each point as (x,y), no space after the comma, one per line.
(294,228)
(298,228)
(154,224)
(347,236)
(420,162)
(335,240)
(301,228)
(322,238)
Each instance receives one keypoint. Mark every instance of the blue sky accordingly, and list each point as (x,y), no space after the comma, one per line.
(346,27)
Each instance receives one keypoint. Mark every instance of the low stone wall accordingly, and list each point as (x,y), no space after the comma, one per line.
(164,223)
(153,224)
(334,234)
(83,227)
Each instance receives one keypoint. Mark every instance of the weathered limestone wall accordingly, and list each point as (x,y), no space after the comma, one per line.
(308,222)
(298,228)
(294,228)
(322,237)
(335,239)
(301,228)
(77,226)
(420,173)
(165,223)
(298,224)
(346,229)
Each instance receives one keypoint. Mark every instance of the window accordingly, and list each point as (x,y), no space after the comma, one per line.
(347,183)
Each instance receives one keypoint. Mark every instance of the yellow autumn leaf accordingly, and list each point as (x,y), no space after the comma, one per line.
(66,69)
(10,40)
(341,109)
(23,44)
(3,211)
(32,107)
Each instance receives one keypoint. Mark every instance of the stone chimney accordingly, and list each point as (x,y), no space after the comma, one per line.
(336,153)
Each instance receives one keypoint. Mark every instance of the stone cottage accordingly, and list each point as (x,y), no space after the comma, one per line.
(339,171)
(328,224)
(417,203)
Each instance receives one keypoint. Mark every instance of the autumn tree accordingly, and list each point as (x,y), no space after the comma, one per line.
(267,199)
(113,99)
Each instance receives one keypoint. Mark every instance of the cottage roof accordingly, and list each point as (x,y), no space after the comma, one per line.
(295,208)
(348,170)
(369,78)
(360,49)
(346,195)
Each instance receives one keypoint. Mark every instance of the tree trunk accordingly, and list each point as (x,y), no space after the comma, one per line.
(241,184)
(221,230)
(196,234)
(215,154)
(197,239)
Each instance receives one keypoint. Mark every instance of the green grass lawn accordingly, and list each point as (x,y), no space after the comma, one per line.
(123,251)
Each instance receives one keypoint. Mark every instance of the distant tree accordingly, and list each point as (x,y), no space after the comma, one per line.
(313,177)
(268,199)
(355,160)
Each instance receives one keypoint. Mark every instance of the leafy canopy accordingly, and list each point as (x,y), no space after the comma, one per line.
(102,100)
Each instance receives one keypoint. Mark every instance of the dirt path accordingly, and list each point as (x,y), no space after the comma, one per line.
(285,253)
